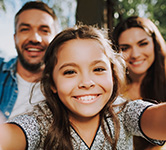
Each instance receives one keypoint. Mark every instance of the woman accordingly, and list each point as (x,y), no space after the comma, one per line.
(144,51)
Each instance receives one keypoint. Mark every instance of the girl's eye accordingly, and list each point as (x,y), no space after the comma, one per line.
(69,72)
(99,69)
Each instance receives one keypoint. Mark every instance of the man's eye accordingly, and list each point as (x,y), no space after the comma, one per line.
(24,29)
(45,31)
(69,72)
(99,69)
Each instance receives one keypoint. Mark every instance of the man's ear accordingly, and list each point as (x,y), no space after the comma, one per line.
(14,36)
(53,89)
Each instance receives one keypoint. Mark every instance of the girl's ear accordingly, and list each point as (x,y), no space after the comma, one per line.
(53,89)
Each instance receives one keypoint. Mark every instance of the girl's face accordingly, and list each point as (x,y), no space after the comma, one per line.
(83,77)
(138,50)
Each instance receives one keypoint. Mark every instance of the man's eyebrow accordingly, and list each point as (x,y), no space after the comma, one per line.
(44,26)
(24,24)
(28,25)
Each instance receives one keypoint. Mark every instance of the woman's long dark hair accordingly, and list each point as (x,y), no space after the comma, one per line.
(154,83)
(59,137)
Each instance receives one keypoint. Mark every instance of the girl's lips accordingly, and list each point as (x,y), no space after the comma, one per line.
(86,98)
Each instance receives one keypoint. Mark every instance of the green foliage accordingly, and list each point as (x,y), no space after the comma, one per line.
(2,6)
(152,9)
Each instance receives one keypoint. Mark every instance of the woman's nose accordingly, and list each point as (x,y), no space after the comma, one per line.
(135,52)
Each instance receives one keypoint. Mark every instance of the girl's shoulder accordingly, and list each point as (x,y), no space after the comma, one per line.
(35,124)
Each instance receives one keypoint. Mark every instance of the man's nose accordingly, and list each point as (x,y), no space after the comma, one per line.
(35,37)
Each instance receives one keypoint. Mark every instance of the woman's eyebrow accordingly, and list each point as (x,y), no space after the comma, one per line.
(141,40)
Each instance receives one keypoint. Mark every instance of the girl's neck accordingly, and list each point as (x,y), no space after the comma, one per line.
(86,127)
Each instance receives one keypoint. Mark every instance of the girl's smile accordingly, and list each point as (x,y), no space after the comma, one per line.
(83,76)
(87,99)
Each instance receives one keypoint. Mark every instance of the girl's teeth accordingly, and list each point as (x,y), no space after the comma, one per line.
(86,98)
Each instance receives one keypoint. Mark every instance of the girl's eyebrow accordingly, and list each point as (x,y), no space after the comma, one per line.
(97,62)
(67,64)
(75,65)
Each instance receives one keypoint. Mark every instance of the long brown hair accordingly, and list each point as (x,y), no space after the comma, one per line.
(154,83)
(59,134)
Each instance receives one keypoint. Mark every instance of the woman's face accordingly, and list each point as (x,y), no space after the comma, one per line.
(83,77)
(138,50)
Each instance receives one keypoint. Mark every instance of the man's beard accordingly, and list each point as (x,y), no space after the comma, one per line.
(30,67)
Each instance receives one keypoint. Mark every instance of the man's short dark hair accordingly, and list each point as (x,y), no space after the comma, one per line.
(35,5)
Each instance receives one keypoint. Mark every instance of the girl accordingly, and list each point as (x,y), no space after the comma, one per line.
(81,81)
(144,51)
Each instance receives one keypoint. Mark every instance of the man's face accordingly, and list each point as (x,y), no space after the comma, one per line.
(34,31)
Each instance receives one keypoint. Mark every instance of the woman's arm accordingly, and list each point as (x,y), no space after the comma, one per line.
(12,137)
(153,122)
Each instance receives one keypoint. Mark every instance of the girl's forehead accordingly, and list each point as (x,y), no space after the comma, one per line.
(81,49)
(81,44)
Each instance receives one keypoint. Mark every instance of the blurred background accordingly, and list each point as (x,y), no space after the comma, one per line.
(104,13)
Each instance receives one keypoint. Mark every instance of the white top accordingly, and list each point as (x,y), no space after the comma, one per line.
(23,102)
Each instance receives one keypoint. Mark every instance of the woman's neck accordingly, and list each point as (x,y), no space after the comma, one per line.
(134,90)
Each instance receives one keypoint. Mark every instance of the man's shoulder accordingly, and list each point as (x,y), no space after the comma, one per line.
(7,65)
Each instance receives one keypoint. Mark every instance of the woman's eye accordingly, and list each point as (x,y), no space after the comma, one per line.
(124,48)
(69,72)
(143,44)
(99,69)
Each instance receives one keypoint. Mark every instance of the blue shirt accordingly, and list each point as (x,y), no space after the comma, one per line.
(8,86)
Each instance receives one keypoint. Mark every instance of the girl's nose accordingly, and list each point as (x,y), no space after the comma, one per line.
(86,82)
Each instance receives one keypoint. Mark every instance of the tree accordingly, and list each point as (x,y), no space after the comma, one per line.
(2,5)
(152,9)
